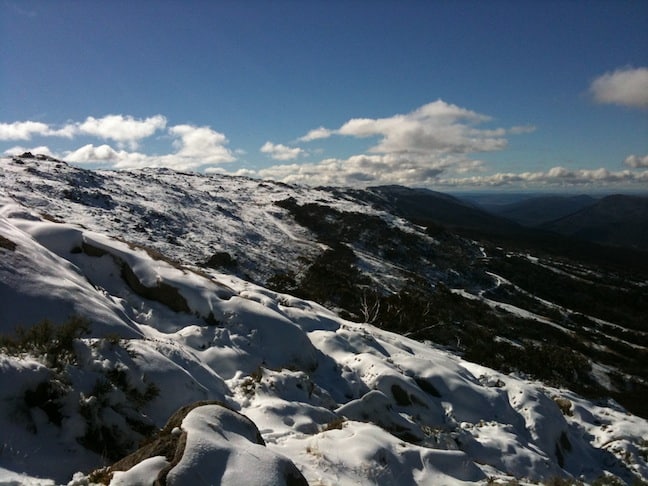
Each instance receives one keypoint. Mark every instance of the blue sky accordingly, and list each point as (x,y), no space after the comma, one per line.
(440,94)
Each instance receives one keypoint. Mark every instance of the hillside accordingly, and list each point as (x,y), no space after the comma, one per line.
(259,333)
(427,206)
(537,210)
(617,220)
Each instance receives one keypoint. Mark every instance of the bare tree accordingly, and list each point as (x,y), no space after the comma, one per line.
(370,306)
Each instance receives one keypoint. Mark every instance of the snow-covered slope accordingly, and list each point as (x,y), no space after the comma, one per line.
(187,217)
(346,403)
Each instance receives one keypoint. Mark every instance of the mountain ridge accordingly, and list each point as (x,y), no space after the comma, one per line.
(534,211)
(619,220)
(616,220)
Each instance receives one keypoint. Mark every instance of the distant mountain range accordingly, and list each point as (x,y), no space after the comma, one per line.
(429,207)
(577,226)
(538,210)
(615,220)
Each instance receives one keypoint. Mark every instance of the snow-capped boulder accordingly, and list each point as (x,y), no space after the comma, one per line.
(205,443)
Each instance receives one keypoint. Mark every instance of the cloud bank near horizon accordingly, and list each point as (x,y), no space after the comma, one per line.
(434,145)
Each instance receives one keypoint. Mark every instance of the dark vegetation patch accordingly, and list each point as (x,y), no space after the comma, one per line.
(333,279)
(625,305)
(7,244)
(47,396)
(412,251)
(220,259)
(565,294)
(53,342)
(95,198)
(102,434)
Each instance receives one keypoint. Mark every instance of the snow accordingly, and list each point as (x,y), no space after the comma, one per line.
(142,473)
(37,284)
(346,403)
(221,448)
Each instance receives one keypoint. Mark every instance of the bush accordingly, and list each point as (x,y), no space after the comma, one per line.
(220,259)
(114,421)
(103,435)
(54,343)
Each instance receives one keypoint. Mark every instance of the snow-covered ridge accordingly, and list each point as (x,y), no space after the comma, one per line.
(346,403)
(188,217)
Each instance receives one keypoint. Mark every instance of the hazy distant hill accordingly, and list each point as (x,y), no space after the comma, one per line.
(542,209)
(614,220)
(425,206)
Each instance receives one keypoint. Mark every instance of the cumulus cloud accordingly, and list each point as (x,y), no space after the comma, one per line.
(281,152)
(122,129)
(521,129)
(125,130)
(414,148)
(194,147)
(636,161)
(92,153)
(627,87)
(380,169)
(201,144)
(432,129)
(369,169)
(22,130)
(316,134)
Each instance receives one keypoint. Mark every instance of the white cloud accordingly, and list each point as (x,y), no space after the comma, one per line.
(195,147)
(22,130)
(521,129)
(369,169)
(415,148)
(281,152)
(122,129)
(627,87)
(125,130)
(636,161)
(380,169)
(201,144)
(554,177)
(91,153)
(434,128)
(316,134)
(239,172)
